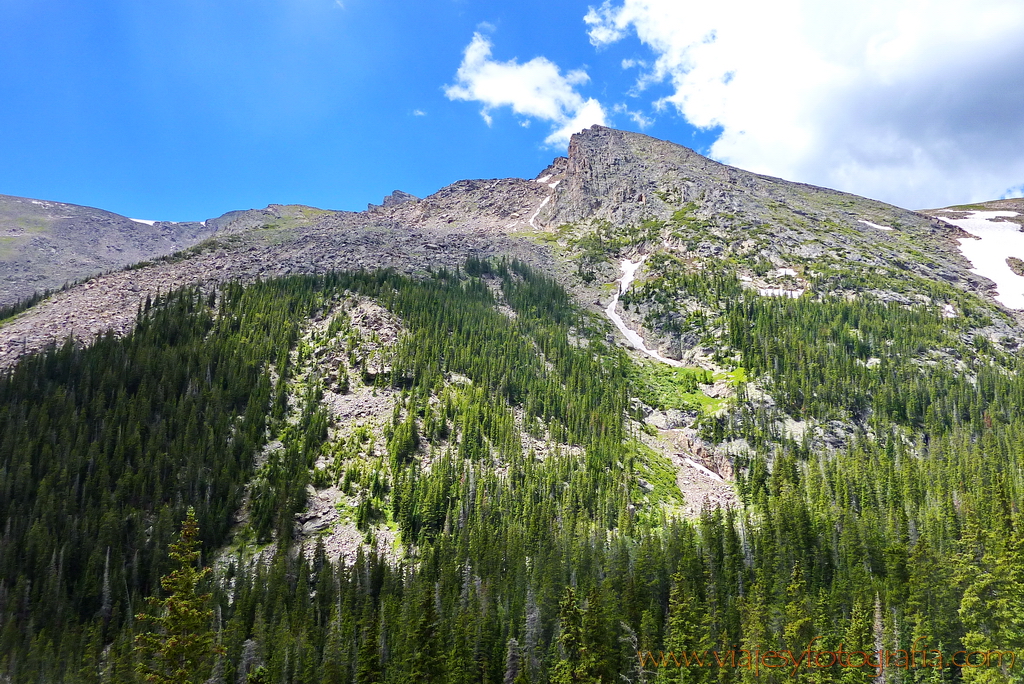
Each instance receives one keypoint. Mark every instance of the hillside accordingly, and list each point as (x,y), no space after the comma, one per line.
(46,245)
(528,431)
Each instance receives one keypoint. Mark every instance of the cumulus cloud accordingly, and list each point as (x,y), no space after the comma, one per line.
(535,89)
(916,102)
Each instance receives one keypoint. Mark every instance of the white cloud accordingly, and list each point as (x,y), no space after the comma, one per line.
(636,116)
(916,102)
(1014,193)
(535,89)
(418,112)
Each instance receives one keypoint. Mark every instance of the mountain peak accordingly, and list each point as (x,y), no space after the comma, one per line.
(628,180)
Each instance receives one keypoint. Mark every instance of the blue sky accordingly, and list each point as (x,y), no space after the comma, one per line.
(186,109)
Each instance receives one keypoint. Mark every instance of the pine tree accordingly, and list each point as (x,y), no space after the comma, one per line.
(180,647)
(689,629)
(578,663)
(424,663)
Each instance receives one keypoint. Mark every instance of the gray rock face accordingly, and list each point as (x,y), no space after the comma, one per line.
(398,197)
(393,200)
(501,205)
(609,175)
(671,419)
(556,168)
(625,177)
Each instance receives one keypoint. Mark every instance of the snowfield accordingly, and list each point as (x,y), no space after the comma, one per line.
(987,251)
(537,213)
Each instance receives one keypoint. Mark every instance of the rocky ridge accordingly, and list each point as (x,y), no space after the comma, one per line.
(710,210)
(272,243)
(626,178)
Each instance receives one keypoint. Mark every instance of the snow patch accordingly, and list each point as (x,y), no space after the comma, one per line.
(629,269)
(874,225)
(993,241)
(148,223)
(537,213)
(693,464)
(543,179)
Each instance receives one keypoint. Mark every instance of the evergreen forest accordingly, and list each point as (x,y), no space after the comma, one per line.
(515,527)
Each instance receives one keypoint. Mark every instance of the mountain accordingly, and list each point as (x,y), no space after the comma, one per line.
(47,245)
(626,179)
(640,411)
(611,177)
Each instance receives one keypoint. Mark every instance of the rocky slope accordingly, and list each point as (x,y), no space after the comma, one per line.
(280,241)
(44,245)
(717,210)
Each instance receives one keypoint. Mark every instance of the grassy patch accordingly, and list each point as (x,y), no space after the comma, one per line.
(735,377)
(544,237)
(665,387)
(658,470)
(312,212)
(8,246)
(971,207)
(705,404)
(32,224)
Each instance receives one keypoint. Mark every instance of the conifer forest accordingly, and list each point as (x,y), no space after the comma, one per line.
(506,518)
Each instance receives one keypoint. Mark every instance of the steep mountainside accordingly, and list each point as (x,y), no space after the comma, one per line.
(709,209)
(629,420)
